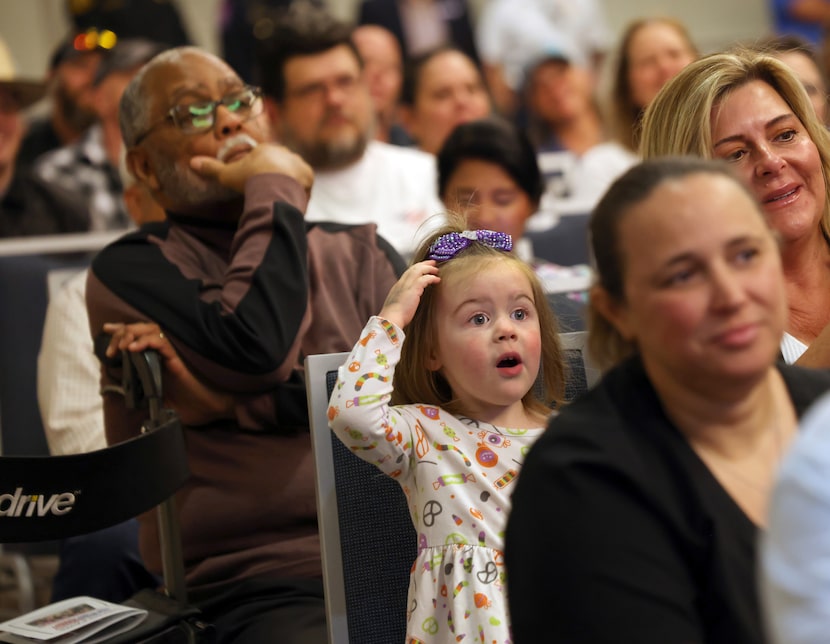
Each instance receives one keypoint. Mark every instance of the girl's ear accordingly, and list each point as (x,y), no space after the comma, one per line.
(433,363)
(613,310)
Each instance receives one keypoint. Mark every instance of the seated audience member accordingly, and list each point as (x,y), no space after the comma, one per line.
(651,51)
(320,108)
(513,33)
(26,207)
(442,88)
(487,171)
(104,564)
(240,21)
(383,69)
(801,18)
(68,370)
(636,514)
(749,109)
(802,58)
(233,289)
(795,550)
(157,20)
(577,160)
(88,168)
(72,68)
(472,367)
(422,25)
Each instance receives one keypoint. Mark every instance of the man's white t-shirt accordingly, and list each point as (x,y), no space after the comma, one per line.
(391,186)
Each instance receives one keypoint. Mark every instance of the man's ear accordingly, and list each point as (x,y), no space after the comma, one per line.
(138,164)
(612,309)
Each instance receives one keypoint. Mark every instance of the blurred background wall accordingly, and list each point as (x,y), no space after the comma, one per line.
(31,28)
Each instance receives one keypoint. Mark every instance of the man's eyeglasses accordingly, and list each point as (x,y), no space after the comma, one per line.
(192,118)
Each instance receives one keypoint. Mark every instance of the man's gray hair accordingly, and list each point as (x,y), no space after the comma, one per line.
(134,108)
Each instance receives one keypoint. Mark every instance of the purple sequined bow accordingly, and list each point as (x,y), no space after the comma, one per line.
(448,246)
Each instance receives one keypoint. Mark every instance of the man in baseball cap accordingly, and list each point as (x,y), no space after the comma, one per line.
(88,167)
(72,68)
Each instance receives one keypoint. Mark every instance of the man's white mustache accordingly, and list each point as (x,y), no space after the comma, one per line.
(235,142)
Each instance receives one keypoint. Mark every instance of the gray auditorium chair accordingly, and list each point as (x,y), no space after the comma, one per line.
(566,243)
(367,539)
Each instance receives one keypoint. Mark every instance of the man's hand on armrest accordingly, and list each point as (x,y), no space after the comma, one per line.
(195,402)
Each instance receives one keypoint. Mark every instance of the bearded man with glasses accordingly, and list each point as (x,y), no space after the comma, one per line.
(233,290)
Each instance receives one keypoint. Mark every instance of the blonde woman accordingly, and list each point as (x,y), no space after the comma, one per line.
(750,110)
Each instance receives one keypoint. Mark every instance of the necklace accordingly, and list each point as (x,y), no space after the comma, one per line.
(720,465)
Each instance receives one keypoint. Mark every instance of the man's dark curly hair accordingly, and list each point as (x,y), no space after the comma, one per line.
(303,30)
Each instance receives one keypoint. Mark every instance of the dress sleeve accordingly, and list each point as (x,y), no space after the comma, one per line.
(359,410)
(589,561)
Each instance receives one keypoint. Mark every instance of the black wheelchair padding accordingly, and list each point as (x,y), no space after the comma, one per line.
(49,497)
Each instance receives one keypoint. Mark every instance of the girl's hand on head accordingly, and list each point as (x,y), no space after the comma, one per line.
(405,295)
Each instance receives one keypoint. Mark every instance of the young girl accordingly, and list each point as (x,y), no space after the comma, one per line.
(463,412)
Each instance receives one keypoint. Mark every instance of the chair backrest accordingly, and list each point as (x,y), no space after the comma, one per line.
(27,268)
(582,374)
(54,497)
(48,497)
(367,539)
(24,294)
(566,243)
(366,534)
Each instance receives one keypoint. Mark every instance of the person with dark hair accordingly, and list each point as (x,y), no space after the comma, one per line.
(420,26)
(244,21)
(807,19)
(637,513)
(441,89)
(800,56)
(158,20)
(513,33)
(72,68)
(319,105)
(383,68)
(487,171)
(577,159)
(88,168)
(233,289)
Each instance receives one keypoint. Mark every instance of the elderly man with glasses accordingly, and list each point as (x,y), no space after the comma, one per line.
(233,290)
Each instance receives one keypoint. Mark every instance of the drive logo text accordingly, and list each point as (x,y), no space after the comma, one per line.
(28,505)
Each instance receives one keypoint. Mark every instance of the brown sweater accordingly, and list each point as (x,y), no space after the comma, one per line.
(243,306)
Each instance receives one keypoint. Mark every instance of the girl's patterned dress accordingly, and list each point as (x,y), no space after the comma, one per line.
(457,475)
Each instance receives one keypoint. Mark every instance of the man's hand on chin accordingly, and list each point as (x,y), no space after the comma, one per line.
(243,161)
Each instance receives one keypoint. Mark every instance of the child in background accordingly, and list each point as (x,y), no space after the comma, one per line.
(459,420)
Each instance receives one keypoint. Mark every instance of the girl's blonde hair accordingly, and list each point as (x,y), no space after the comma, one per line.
(415,383)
